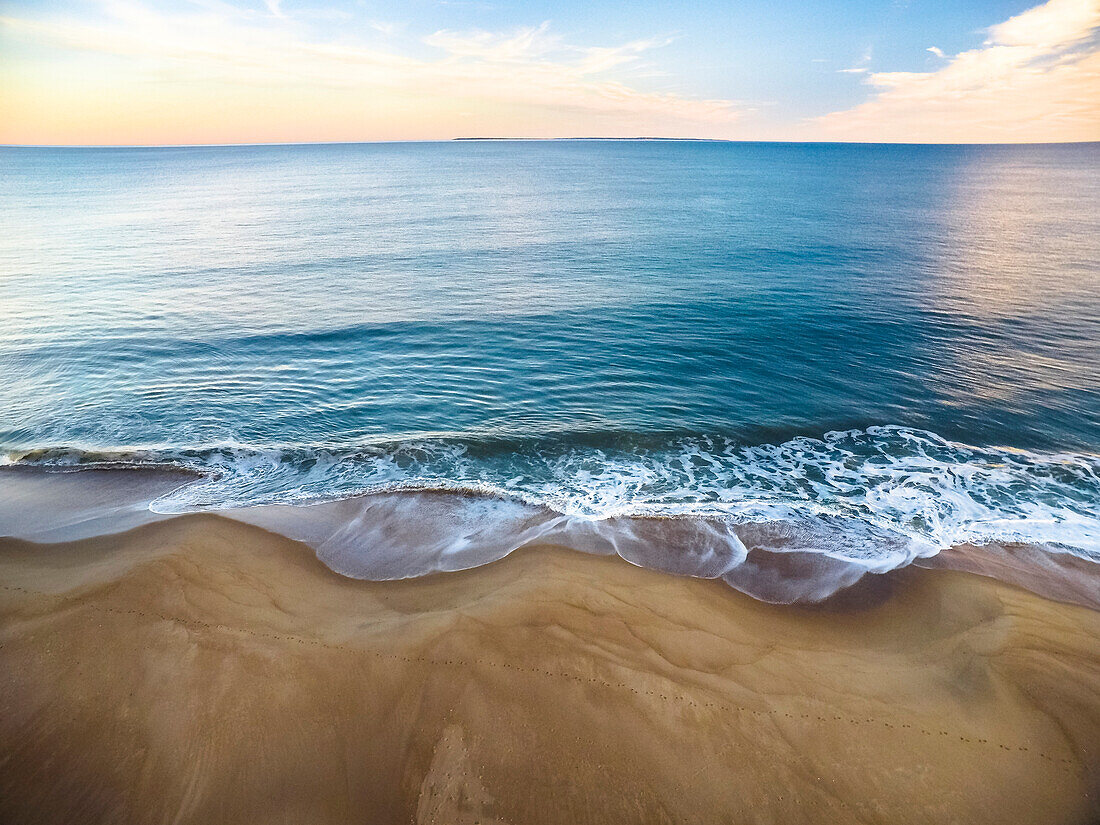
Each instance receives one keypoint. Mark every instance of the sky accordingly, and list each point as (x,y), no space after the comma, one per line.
(122,72)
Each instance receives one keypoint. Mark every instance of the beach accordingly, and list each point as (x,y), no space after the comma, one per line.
(202,670)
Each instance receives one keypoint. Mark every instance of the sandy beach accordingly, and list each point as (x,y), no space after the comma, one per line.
(199,670)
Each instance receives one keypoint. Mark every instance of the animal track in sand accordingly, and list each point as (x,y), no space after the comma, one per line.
(1066,764)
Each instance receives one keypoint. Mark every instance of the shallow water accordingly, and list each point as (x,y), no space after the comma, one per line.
(887,350)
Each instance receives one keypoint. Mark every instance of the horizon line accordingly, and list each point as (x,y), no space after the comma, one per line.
(476,139)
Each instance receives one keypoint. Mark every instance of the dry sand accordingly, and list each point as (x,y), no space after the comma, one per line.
(203,671)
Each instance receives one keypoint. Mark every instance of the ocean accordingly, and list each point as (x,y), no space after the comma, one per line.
(868,353)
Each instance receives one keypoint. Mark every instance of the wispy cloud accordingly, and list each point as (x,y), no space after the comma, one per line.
(521,45)
(505,79)
(1035,78)
(385,27)
(861,67)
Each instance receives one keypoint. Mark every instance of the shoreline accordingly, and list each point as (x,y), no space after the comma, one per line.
(413,533)
(203,670)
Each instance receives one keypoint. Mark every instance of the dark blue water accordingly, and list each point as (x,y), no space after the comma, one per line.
(909,336)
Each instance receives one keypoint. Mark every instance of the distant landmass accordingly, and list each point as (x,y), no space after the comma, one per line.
(644,137)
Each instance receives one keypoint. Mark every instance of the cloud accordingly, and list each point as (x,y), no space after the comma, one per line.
(385,27)
(518,46)
(519,82)
(861,66)
(1035,78)
(937,51)
(1052,25)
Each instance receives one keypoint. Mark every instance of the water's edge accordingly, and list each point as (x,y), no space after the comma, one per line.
(898,492)
(412,533)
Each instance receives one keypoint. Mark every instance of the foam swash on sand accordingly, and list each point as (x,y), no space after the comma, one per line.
(864,501)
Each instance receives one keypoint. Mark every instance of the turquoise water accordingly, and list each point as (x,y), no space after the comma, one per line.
(901,337)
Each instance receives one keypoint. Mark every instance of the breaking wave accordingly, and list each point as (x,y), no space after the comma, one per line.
(899,493)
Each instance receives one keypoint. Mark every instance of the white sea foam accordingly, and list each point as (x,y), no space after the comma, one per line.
(869,500)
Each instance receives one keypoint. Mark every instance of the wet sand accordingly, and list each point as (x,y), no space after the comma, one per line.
(199,670)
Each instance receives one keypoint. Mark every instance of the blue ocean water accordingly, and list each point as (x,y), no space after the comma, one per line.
(906,337)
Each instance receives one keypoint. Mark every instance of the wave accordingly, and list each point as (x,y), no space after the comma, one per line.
(923,491)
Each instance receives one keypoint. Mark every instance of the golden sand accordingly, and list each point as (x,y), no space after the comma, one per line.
(202,671)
